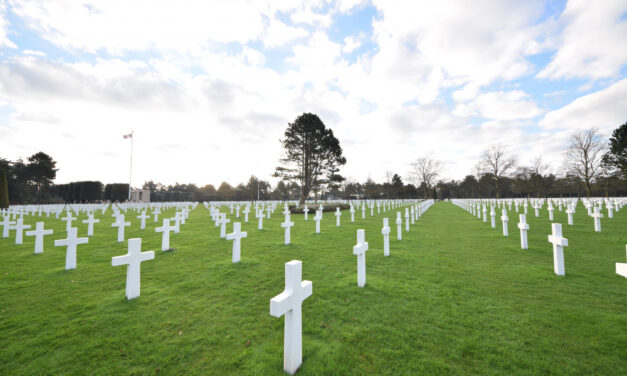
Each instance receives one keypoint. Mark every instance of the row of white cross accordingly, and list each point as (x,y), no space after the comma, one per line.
(556,238)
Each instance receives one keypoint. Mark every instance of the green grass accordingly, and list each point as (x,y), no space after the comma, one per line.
(454,297)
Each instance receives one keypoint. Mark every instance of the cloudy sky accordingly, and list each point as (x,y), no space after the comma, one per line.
(208,87)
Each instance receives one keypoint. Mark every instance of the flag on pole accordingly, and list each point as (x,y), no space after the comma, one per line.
(130,135)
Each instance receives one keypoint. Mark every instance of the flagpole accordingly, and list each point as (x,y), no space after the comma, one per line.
(130,173)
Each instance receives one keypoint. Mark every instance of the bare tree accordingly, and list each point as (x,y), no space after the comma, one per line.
(424,171)
(497,162)
(584,156)
(536,173)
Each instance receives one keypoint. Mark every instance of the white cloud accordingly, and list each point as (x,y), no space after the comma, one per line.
(4,28)
(604,109)
(351,43)
(278,34)
(33,53)
(592,41)
(501,105)
(117,26)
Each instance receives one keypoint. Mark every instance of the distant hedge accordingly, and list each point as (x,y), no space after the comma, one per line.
(116,192)
(79,191)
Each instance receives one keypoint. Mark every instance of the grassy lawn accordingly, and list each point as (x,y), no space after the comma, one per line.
(454,297)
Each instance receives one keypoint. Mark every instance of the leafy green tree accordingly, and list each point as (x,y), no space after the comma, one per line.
(616,157)
(312,156)
(41,170)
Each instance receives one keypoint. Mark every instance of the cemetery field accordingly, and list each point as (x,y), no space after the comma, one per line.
(453,297)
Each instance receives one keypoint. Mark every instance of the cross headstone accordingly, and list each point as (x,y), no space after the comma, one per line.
(289,303)
(90,224)
(485,213)
(551,210)
(569,213)
(363,210)
(399,222)
(133,259)
(246,211)
(237,235)
(492,217)
(70,243)
(223,222)
(7,225)
(621,269)
(352,210)
(559,243)
(287,225)
(19,230)
(318,218)
(68,220)
(120,224)
(165,236)
(155,212)
(39,234)
(597,219)
(142,217)
(504,219)
(360,251)
(385,231)
(306,211)
(260,220)
(523,226)
(338,214)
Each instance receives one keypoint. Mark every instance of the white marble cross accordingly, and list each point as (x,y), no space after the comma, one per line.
(621,269)
(363,210)
(39,232)
(485,213)
(352,210)
(287,225)
(399,222)
(7,224)
(246,211)
(133,259)
(504,219)
(412,214)
(19,230)
(536,207)
(360,251)
(385,231)
(260,220)
(142,217)
(559,243)
(237,211)
(597,219)
(165,236)
(570,211)
(610,212)
(306,211)
(155,212)
(237,235)
(70,243)
(90,224)
(289,303)
(523,226)
(492,217)
(318,218)
(407,219)
(120,224)
(269,211)
(551,210)
(338,214)
(68,220)
(223,222)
